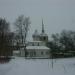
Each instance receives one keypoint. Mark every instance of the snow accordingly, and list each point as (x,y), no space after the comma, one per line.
(16,51)
(35,41)
(37,47)
(22,66)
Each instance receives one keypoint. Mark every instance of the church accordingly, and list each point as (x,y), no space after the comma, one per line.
(37,47)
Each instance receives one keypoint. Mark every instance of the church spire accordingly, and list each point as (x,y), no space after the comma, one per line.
(42,27)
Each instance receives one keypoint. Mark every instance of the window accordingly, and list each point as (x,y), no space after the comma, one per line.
(33,53)
(42,53)
(38,44)
(32,44)
(44,38)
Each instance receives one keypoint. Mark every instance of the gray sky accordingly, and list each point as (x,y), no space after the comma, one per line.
(57,14)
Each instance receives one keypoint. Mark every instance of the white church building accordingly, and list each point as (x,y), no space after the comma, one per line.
(37,47)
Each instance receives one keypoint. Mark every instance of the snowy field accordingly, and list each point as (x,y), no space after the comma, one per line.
(21,66)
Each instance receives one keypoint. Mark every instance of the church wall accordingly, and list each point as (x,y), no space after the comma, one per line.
(38,54)
(36,43)
(22,52)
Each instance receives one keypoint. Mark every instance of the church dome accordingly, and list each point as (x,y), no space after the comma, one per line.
(35,36)
(35,33)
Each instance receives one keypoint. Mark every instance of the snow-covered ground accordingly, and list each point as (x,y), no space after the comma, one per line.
(21,66)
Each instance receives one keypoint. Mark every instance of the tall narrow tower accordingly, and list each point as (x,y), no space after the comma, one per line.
(42,27)
(43,35)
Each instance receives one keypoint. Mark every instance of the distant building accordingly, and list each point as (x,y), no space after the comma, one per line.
(36,48)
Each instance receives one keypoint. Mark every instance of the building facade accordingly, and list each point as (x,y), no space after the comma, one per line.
(37,48)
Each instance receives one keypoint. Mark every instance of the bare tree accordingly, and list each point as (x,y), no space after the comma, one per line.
(19,23)
(22,24)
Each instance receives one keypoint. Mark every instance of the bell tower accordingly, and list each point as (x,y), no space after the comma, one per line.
(43,27)
(43,35)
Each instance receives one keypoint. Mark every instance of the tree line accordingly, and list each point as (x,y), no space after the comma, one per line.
(5,38)
(62,44)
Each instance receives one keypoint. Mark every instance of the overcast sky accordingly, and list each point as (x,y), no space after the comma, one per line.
(57,14)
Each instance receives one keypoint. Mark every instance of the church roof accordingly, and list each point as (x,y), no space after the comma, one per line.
(37,47)
(16,51)
(36,41)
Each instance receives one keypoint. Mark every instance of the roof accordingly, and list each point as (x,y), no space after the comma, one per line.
(36,41)
(37,47)
(16,51)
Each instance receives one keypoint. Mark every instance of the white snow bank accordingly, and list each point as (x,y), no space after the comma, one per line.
(21,66)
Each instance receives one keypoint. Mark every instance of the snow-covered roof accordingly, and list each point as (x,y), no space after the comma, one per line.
(35,41)
(37,47)
(16,51)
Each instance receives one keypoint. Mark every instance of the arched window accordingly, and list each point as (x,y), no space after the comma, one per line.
(42,53)
(38,44)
